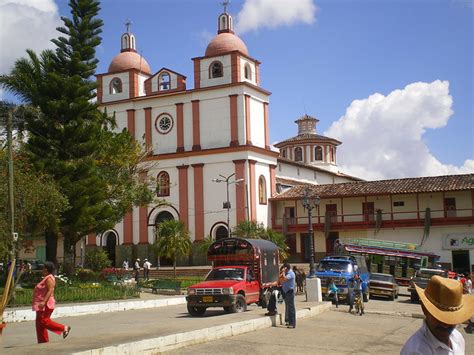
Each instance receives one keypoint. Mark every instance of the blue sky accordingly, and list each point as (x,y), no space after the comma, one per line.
(409,65)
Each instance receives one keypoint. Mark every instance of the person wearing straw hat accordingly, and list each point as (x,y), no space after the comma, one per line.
(444,306)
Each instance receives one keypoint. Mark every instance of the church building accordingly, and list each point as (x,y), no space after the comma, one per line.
(206,142)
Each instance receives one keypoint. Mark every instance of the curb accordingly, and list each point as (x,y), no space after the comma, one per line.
(22,315)
(179,340)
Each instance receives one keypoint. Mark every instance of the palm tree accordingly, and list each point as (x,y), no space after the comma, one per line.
(248,229)
(254,230)
(172,241)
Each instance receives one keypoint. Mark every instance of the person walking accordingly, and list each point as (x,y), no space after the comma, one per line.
(444,306)
(288,288)
(146,268)
(136,269)
(125,265)
(43,305)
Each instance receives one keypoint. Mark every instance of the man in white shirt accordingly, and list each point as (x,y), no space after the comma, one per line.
(146,268)
(444,306)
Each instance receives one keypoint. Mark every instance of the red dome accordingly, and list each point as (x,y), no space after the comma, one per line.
(225,42)
(129,60)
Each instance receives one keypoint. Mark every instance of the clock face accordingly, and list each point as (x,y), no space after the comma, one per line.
(164,124)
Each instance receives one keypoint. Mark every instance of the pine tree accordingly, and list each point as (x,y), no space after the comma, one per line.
(72,140)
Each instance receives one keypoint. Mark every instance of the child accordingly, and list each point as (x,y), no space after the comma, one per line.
(332,290)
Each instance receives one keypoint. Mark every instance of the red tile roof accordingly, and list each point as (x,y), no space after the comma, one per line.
(383,187)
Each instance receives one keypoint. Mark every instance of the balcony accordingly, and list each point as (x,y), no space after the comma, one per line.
(369,220)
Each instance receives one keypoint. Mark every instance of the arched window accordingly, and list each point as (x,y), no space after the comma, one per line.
(164,80)
(115,86)
(283,153)
(262,190)
(333,154)
(216,70)
(248,72)
(163,181)
(125,41)
(163,216)
(221,232)
(318,153)
(298,154)
(223,23)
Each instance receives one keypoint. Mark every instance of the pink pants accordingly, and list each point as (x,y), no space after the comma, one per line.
(44,323)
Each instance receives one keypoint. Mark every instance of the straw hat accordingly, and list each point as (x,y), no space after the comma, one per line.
(443,299)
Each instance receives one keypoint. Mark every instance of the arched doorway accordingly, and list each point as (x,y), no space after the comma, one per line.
(110,245)
(162,217)
(222,232)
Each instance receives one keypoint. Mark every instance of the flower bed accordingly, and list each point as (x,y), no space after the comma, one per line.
(80,293)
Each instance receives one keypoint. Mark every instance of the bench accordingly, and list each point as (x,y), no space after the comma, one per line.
(166,285)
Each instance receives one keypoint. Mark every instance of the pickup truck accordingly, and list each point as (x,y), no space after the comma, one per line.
(243,269)
(341,269)
(421,279)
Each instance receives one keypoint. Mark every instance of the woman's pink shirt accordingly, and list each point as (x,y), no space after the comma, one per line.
(40,293)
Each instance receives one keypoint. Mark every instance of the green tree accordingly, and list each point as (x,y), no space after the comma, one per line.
(253,230)
(97,260)
(73,140)
(38,203)
(172,241)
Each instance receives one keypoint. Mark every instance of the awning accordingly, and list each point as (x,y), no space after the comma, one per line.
(388,252)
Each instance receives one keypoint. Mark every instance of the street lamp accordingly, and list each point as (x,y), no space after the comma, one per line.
(226,203)
(309,203)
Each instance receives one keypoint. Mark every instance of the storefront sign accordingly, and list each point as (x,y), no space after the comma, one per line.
(459,241)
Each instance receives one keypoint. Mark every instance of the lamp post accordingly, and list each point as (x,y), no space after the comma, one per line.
(226,205)
(309,203)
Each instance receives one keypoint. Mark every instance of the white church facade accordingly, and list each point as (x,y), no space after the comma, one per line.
(217,129)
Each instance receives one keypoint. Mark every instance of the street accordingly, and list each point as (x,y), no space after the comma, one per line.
(333,332)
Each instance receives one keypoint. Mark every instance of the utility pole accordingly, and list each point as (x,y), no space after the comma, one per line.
(10,176)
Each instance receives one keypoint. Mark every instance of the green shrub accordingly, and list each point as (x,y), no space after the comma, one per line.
(97,260)
(30,279)
(83,293)
(87,275)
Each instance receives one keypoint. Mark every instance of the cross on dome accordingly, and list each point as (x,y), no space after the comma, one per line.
(225,4)
(128,24)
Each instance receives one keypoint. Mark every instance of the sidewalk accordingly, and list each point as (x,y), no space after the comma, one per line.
(143,330)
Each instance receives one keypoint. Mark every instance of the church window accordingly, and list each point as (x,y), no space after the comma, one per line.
(223,23)
(283,153)
(318,153)
(216,70)
(331,152)
(163,181)
(248,72)
(164,123)
(262,190)
(125,41)
(115,86)
(164,80)
(298,154)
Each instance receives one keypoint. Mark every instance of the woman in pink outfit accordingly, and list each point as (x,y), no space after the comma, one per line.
(43,304)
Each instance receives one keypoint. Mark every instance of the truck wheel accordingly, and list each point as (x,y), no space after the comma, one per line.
(196,311)
(392,297)
(414,297)
(240,304)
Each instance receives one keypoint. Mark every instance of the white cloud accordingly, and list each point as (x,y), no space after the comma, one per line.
(256,14)
(26,24)
(382,136)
